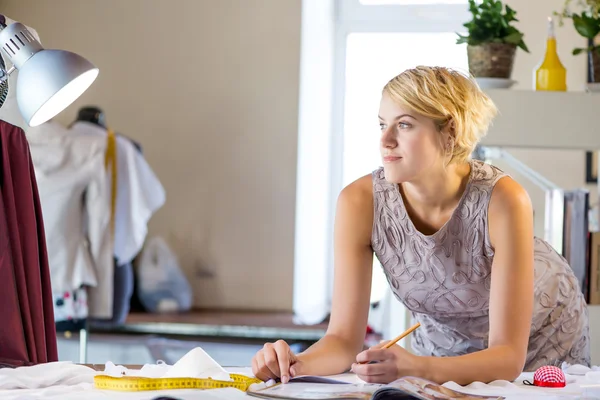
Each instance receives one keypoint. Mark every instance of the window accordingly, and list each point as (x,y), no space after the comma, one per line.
(371,60)
(405,2)
(369,54)
(371,41)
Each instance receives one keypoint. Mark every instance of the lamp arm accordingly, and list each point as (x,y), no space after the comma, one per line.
(5,74)
(531,174)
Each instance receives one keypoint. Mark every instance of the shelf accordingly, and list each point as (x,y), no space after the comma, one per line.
(545,120)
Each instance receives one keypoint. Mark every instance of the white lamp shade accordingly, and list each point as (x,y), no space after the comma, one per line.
(50,81)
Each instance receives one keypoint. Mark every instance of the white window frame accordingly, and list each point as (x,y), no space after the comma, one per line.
(351,17)
(314,234)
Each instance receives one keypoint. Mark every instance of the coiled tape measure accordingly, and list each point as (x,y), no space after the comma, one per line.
(139,384)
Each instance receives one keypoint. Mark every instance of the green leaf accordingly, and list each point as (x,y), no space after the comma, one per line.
(491,22)
(510,14)
(514,38)
(586,26)
(462,39)
(578,51)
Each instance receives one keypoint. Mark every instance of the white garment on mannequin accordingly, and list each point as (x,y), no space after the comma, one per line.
(75,195)
(139,194)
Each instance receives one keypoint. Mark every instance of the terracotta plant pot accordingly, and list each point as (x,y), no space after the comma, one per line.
(491,60)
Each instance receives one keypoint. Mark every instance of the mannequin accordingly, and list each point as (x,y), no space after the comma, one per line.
(75,197)
(95,115)
(138,195)
(92,114)
(123,275)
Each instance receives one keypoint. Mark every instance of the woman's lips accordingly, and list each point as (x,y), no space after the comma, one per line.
(391,159)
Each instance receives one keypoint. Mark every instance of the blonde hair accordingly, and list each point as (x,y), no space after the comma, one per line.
(446,96)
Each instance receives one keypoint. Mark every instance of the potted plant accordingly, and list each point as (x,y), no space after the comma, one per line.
(587,24)
(491,39)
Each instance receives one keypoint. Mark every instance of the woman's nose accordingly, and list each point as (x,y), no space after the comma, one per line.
(388,139)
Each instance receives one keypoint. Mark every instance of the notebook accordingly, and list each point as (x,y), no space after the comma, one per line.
(404,388)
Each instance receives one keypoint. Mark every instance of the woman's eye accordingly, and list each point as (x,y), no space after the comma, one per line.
(381,126)
(403,125)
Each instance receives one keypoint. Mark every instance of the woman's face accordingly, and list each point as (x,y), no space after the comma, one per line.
(411,145)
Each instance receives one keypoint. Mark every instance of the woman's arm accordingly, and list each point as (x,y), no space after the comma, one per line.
(510,221)
(353,264)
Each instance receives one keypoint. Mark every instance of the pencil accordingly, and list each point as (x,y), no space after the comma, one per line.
(402,335)
(398,338)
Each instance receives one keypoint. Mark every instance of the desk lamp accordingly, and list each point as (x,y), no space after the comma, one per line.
(49,80)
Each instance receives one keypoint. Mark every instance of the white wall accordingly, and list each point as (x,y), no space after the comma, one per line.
(210,89)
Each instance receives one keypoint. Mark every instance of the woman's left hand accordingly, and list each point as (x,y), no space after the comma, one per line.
(378,365)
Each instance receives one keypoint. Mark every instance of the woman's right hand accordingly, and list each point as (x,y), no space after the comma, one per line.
(276,360)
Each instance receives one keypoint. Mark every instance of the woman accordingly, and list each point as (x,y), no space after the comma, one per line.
(455,239)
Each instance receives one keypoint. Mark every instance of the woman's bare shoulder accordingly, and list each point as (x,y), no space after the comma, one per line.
(354,213)
(358,194)
(507,195)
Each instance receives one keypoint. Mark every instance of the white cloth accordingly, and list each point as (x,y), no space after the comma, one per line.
(577,387)
(9,111)
(582,382)
(139,194)
(75,196)
(196,364)
(45,375)
(68,381)
(64,380)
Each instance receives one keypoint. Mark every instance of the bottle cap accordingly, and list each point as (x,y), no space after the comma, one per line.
(550,27)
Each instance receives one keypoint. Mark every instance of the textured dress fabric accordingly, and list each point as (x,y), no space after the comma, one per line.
(444,279)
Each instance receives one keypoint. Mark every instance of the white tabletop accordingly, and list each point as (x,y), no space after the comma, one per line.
(67,381)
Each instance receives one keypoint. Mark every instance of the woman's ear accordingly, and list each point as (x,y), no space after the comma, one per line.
(450,128)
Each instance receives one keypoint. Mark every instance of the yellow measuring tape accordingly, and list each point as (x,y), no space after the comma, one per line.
(110,159)
(139,384)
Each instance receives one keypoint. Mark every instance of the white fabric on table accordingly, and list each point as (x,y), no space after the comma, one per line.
(45,375)
(68,381)
(582,382)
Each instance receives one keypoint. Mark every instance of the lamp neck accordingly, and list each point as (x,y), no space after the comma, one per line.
(18,44)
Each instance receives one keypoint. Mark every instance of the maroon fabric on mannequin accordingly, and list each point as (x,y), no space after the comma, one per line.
(27,329)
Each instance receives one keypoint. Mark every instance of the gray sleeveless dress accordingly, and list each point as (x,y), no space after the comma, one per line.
(444,278)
